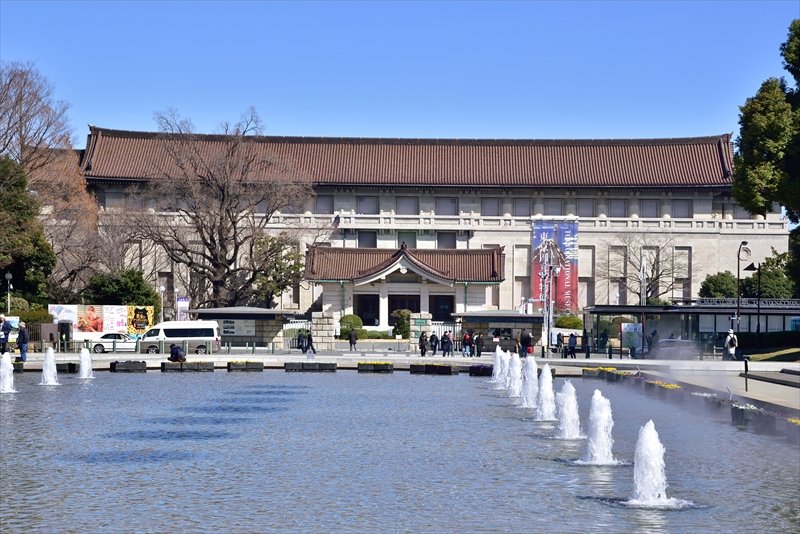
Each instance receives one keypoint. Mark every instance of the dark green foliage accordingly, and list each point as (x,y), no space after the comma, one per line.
(569,321)
(402,325)
(767,161)
(122,287)
(34,316)
(719,286)
(775,283)
(24,250)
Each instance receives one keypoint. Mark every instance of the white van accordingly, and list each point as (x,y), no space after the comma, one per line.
(201,336)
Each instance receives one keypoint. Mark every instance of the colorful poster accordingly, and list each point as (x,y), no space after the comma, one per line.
(554,260)
(90,318)
(63,312)
(140,319)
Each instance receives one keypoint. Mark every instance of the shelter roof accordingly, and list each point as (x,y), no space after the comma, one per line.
(643,163)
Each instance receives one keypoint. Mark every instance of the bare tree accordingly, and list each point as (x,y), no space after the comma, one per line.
(646,264)
(214,196)
(31,121)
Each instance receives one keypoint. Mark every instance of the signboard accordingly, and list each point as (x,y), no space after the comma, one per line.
(560,234)
(182,309)
(238,327)
(631,336)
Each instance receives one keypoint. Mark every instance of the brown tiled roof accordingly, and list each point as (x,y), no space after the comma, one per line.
(354,264)
(682,162)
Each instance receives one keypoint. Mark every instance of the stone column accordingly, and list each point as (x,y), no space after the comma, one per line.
(383,305)
(322,329)
(419,322)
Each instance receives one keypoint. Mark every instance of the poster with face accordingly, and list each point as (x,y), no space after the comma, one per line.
(90,318)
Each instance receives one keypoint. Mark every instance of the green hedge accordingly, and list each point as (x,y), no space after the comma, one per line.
(771,340)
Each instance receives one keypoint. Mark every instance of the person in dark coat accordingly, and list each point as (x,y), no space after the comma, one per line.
(176,353)
(5,332)
(301,340)
(572,344)
(478,344)
(23,338)
(423,344)
(433,341)
(310,343)
(353,336)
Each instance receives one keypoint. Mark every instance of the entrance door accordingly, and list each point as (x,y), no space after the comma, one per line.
(402,302)
(441,307)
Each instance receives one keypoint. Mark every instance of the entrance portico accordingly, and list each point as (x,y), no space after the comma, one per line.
(372,283)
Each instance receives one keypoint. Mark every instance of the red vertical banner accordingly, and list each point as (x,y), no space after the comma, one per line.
(555,241)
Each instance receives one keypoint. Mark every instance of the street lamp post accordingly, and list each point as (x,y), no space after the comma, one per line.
(161,290)
(757,267)
(742,246)
(9,276)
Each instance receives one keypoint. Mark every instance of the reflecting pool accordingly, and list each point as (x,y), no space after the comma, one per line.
(349,452)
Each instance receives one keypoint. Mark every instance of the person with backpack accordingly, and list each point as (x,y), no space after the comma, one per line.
(465,344)
(731,344)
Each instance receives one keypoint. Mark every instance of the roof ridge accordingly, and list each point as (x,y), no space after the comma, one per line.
(433,141)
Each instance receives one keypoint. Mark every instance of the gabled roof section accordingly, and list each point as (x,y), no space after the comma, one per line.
(358,265)
(643,163)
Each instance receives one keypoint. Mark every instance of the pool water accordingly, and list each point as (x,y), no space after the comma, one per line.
(350,452)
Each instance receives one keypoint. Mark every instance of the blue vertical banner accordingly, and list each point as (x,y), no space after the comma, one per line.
(555,241)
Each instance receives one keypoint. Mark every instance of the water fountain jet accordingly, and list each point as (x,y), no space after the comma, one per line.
(546,407)
(601,423)
(86,364)
(649,476)
(530,383)
(49,372)
(569,424)
(515,376)
(6,374)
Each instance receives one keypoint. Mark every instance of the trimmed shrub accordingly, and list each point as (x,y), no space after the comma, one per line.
(402,325)
(569,321)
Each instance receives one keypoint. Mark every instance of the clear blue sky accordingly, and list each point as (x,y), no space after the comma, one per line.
(406,69)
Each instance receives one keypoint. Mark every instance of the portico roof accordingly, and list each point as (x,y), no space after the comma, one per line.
(358,265)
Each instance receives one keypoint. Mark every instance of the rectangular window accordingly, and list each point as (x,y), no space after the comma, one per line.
(367,239)
(522,207)
(409,238)
(324,204)
(586,207)
(407,206)
(617,207)
(446,240)
(446,206)
(367,205)
(648,208)
(681,209)
(368,308)
(553,206)
(490,207)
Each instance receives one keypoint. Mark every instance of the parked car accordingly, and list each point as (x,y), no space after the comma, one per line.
(200,336)
(111,341)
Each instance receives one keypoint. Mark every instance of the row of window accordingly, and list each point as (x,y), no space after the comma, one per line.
(521,207)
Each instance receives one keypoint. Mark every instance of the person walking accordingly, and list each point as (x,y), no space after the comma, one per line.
(310,344)
(731,344)
(353,338)
(301,340)
(423,344)
(23,338)
(572,344)
(433,341)
(524,343)
(478,344)
(447,344)
(466,340)
(5,332)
